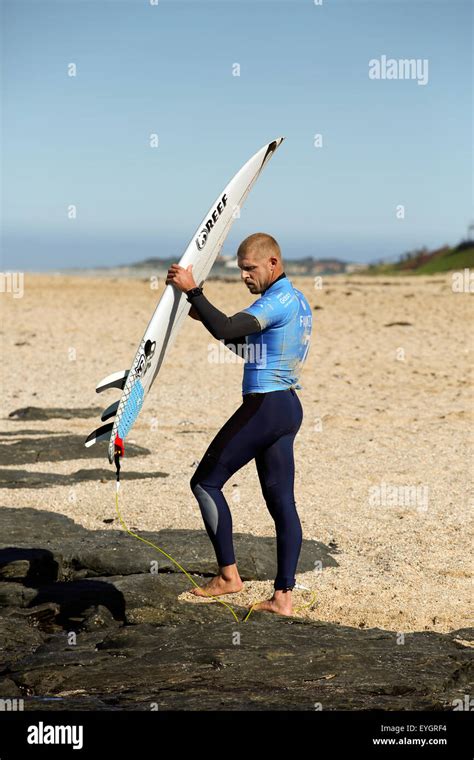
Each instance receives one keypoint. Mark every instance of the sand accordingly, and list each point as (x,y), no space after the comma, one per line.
(382,405)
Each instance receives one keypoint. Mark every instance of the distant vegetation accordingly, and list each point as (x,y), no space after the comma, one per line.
(420,261)
(429,262)
(225,267)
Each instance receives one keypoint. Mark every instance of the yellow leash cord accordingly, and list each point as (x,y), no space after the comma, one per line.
(145,541)
(125,527)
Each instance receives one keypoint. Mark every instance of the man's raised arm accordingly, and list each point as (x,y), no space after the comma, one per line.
(219,324)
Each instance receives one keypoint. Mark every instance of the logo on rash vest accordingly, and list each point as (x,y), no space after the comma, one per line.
(204,234)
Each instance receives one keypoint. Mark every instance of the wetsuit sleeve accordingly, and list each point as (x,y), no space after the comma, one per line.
(236,345)
(221,326)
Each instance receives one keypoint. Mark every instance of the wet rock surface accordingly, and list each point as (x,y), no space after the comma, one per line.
(36,413)
(28,448)
(16,478)
(96,620)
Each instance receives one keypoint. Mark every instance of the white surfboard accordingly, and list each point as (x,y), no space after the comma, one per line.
(173,305)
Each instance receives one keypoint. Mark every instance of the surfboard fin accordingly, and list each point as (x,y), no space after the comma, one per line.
(111,411)
(115,380)
(101,434)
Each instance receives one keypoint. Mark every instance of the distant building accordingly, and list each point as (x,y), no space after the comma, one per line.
(351,268)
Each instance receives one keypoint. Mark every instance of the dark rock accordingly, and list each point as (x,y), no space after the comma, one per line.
(17,638)
(88,624)
(57,448)
(29,566)
(43,616)
(70,552)
(53,413)
(26,479)
(98,617)
(277,664)
(16,595)
(8,688)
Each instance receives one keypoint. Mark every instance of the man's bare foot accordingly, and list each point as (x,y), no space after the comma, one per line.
(221,584)
(281,603)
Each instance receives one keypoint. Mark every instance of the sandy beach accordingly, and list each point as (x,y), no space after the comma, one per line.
(387,413)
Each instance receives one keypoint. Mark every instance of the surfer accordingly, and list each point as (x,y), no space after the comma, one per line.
(273,336)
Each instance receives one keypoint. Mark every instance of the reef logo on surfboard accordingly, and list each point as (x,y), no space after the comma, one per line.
(204,234)
(144,359)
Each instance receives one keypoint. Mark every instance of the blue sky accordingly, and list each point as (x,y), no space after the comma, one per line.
(167,69)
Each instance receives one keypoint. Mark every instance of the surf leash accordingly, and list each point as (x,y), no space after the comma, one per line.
(118,452)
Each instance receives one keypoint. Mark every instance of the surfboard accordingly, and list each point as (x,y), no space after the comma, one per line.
(173,306)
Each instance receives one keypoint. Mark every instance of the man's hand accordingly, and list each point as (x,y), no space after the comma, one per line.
(181,278)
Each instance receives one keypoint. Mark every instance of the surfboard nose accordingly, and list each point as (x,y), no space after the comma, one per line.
(275,144)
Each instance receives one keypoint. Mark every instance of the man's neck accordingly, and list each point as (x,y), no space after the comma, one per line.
(280,276)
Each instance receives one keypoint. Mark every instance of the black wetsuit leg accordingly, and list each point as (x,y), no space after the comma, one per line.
(263,428)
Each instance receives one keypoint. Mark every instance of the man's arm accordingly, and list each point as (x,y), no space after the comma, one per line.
(193,313)
(234,344)
(221,326)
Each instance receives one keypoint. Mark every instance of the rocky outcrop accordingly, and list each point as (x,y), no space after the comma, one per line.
(88,620)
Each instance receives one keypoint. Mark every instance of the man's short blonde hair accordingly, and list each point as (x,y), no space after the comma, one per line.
(260,244)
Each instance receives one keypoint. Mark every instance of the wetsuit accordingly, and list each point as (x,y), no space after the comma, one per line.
(273,337)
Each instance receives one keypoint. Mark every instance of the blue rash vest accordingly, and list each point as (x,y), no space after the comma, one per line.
(275,356)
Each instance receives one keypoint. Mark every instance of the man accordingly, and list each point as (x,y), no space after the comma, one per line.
(274,334)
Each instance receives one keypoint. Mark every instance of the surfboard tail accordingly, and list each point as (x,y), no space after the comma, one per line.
(103,433)
(119,447)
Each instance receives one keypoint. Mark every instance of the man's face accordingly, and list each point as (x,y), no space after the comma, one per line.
(256,272)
